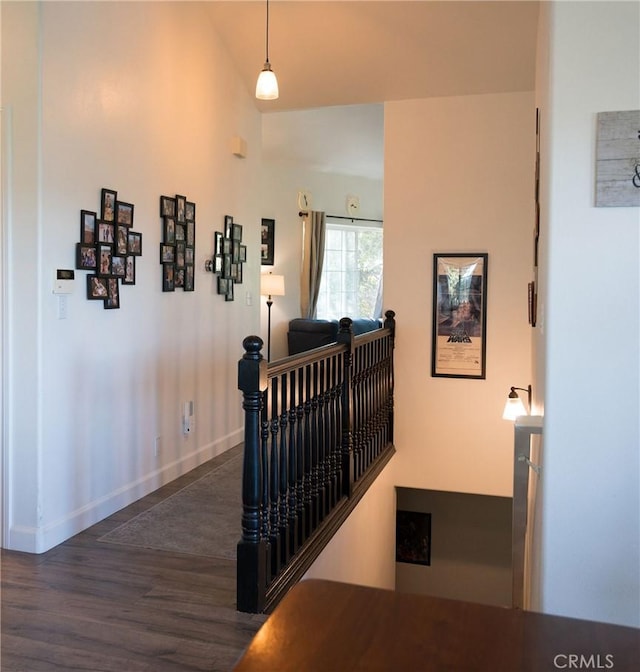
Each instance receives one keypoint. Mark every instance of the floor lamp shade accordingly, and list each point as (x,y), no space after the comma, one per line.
(271,285)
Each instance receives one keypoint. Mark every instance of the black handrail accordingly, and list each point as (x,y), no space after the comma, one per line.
(318,430)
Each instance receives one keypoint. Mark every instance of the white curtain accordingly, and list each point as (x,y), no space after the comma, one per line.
(314,226)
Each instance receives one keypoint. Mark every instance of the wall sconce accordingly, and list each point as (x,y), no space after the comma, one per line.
(271,285)
(514,406)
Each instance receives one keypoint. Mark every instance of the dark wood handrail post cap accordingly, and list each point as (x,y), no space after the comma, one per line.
(252,368)
(345,332)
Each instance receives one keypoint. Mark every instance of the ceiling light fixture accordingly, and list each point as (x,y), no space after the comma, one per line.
(267,84)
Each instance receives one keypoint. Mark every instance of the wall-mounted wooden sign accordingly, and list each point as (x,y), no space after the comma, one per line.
(618,159)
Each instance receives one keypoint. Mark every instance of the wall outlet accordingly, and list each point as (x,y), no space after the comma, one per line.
(188,418)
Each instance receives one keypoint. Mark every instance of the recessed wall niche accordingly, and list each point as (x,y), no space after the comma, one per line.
(108,248)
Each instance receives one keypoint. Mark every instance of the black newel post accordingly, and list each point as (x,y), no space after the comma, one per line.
(252,550)
(345,335)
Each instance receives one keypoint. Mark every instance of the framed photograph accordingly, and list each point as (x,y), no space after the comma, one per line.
(124,213)
(217,265)
(235,251)
(459,343)
(190,233)
(86,257)
(180,232)
(181,207)
(243,254)
(118,266)
(168,278)
(106,232)
(229,295)
(238,274)
(167,206)
(108,205)
(87,227)
(167,253)
(96,287)
(227,245)
(113,294)
(228,226)
(134,243)
(413,537)
(267,242)
(236,232)
(179,277)
(190,211)
(223,285)
(122,239)
(169,230)
(226,266)
(217,243)
(189,255)
(130,270)
(189,278)
(180,250)
(105,252)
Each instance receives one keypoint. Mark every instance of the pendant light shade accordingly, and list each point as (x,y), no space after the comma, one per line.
(267,84)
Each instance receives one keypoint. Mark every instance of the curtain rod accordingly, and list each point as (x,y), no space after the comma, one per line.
(303,213)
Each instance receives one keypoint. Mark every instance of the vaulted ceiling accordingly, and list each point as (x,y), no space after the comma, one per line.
(353,52)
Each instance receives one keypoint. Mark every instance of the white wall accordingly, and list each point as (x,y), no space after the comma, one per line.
(281,182)
(137,97)
(459,176)
(589,539)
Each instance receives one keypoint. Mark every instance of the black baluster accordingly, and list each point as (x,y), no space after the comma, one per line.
(345,335)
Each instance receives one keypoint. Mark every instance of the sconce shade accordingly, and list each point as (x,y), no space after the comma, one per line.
(271,285)
(514,407)
(267,84)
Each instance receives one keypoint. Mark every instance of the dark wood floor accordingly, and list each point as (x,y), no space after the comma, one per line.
(90,605)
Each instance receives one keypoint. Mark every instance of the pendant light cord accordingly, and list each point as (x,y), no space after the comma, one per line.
(267,40)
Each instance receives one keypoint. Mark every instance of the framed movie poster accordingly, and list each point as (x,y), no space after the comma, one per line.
(459,341)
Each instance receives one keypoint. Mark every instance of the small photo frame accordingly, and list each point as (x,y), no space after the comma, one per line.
(130,270)
(217,243)
(168,278)
(167,206)
(226,266)
(228,226)
(180,232)
(227,246)
(122,239)
(179,282)
(134,243)
(167,253)
(236,232)
(180,254)
(108,201)
(189,278)
(124,213)
(106,232)
(229,295)
(238,276)
(169,230)
(190,233)
(181,207)
(104,253)
(190,211)
(243,254)
(235,252)
(86,257)
(189,255)
(96,288)
(217,265)
(113,294)
(413,537)
(267,241)
(223,284)
(118,266)
(88,227)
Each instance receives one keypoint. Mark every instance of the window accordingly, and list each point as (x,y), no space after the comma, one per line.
(351,282)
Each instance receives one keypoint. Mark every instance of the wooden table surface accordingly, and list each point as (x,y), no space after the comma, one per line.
(323,626)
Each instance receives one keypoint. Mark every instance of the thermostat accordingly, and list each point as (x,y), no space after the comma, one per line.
(64,281)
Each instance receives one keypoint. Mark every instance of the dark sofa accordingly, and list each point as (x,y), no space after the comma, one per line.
(305,334)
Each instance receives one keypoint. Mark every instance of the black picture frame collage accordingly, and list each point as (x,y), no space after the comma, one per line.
(108,247)
(178,246)
(229,256)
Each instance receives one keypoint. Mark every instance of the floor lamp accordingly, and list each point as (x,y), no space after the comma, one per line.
(270,285)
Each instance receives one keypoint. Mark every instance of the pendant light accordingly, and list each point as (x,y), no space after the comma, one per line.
(267,85)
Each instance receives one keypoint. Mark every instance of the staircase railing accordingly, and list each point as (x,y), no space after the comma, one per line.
(318,431)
